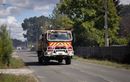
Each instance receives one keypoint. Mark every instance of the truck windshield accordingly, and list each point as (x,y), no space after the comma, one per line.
(59,36)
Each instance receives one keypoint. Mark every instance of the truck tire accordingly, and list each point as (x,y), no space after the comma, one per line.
(40,60)
(60,60)
(46,60)
(68,60)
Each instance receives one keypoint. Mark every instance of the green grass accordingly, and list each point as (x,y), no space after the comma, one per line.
(14,63)
(14,78)
(103,62)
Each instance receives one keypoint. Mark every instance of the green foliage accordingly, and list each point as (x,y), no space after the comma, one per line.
(33,27)
(5,46)
(60,21)
(88,20)
(125,22)
(125,10)
(118,6)
(94,34)
(122,41)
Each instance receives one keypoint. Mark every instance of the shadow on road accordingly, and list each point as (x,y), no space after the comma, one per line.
(51,63)
(32,64)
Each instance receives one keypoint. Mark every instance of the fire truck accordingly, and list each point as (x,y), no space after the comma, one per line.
(55,45)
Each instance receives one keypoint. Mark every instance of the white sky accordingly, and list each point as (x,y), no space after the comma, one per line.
(125,1)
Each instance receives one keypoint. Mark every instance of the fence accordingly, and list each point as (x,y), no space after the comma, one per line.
(116,53)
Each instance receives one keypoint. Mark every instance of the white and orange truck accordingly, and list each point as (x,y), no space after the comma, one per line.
(55,45)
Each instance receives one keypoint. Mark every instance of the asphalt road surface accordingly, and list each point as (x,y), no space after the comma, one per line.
(76,72)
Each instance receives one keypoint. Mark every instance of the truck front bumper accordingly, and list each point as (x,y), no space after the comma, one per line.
(59,54)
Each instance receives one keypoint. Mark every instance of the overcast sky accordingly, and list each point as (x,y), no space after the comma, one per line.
(15,11)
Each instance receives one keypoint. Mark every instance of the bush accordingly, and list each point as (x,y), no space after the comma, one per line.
(14,63)
(5,46)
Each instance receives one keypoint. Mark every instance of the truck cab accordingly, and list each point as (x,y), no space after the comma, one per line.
(55,45)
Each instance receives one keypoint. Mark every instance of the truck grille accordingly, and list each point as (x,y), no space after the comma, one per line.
(60,49)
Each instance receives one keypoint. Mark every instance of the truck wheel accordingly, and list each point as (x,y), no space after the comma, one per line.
(60,60)
(46,60)
(68,60)
(40,60)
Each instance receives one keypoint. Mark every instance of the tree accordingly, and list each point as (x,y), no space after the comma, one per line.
(33,27)
(125,10)
(17,43)
(88,18)
(5,45)
(60,21)
(125,21)
(125,27)
(118,6)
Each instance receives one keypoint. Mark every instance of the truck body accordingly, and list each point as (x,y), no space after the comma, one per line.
(55,45)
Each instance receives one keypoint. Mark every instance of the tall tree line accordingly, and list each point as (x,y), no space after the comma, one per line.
(85,18)
(88,21)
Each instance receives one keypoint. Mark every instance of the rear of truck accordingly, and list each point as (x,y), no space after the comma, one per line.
(59,46)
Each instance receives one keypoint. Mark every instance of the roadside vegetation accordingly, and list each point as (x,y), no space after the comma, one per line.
(6,49)
(103,62)
(14,78)
(14,63)
(7,61)
(5,46)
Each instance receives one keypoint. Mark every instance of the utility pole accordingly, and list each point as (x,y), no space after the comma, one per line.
(106,23)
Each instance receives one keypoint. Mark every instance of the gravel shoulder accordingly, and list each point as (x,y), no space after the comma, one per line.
(22,71)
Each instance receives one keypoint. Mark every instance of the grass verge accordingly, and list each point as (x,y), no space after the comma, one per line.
(14,78)
(14,63)
(103,62)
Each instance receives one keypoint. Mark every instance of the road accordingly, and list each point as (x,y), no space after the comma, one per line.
(76,72)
